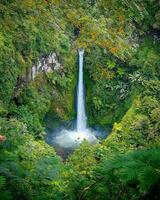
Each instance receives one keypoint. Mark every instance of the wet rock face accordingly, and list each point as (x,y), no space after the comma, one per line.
(45,64)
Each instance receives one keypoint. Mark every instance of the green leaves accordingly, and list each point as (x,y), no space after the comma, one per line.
(2,182)
(4,193)
(135,168)
(111,64)
(29,166)
(1,40)
(97,103)
(121,72)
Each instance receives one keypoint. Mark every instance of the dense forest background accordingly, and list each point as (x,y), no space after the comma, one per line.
(122,77)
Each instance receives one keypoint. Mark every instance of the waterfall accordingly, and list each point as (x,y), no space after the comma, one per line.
(81,115)
(72,138)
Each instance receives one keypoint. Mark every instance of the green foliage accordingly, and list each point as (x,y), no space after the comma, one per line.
(97,103)
(122,76)
(108,88)
(128,176)
(32,121)
(131,175)
(28,165)
(30,29)
(77,171)
(135,130)
(4,193)
(148,104)
(3,109)
(83,159)
(63,85)
(33,103)
(146,60)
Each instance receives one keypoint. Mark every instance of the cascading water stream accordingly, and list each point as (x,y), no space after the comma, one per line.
(81,115)
(72,138)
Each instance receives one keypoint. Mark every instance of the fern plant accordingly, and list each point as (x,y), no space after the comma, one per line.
(4,193)
(129,176)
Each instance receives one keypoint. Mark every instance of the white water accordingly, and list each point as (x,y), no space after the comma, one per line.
(81,115)
(71,139)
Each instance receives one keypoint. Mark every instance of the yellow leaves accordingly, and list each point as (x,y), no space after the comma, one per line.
(113,50)
(28,3)
(121,18)
(88,36)
(106,73)
(106,32)
(20,59)
(102,72)
(57,183)
(34,19)
(8,23)
(94,35)
(105,43)
(1,40)
(121,30)
(80,44)
(56,2)
(117,127)
(76,17)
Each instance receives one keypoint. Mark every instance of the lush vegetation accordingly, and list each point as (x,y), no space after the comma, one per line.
(122,75)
